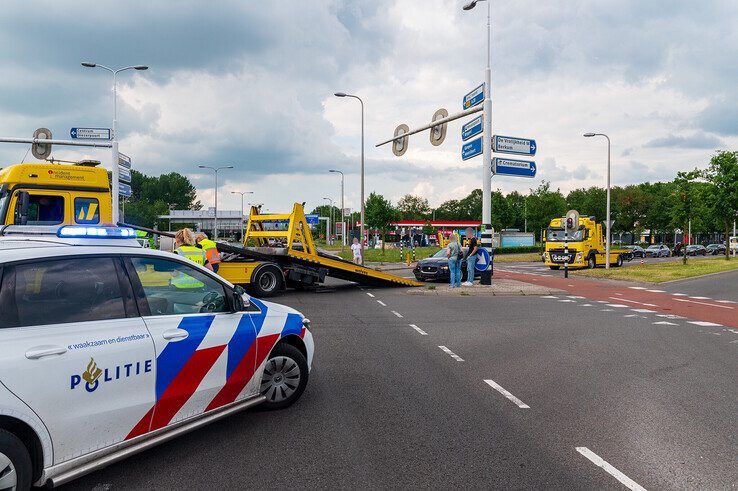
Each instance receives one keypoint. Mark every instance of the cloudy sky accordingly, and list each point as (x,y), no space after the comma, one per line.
(251,84)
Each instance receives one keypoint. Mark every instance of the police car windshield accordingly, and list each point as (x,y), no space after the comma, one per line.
(557,235)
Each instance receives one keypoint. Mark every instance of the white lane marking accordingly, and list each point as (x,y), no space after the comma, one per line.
(397,314)
(656,291)
(633,315)
(703,303)
(573,296)
(607,310)
(507,394)
(637,287)
(586,305)
(670,316)
(643,311)
(700,298)
(549,296)
(725,301)
(370,294)
(420,331)
(665,323)
(451,353)
(600,462)
(602,301)
(633,301)
(704,324)
(381,303)
(618,305)
(566,300)
(616,293)
(680,294)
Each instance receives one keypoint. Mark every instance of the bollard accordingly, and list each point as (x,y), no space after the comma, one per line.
(407,259)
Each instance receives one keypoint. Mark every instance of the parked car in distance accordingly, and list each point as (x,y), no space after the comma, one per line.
(658,250)
(695,250)
(636,251)
(716,249)
(435,268)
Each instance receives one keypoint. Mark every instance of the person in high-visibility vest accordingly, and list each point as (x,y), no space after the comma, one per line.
(212,256)
(184,242)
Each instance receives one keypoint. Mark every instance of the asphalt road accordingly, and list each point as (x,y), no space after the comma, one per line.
(721,286)
(387,407)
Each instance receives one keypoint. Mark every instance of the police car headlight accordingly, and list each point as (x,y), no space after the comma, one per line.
(306,323)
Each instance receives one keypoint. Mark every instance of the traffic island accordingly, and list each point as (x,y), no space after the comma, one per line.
(499,287)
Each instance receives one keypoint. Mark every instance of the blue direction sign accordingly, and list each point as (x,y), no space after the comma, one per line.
(471,149)
(482,260)
(473,98)
(124,175)
(124,160)
(312,219)
(125,189)
(510,144)
(511,167)
(472,128)
(90,133)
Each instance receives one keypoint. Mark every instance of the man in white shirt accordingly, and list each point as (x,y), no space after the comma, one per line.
(356,249)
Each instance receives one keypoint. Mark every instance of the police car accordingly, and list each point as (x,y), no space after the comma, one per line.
(107,348)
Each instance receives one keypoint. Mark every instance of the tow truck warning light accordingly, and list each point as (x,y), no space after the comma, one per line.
(73,231)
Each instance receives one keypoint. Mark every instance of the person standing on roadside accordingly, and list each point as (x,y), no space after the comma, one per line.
(212,255)
(471,256)
(453,253)
(356,249)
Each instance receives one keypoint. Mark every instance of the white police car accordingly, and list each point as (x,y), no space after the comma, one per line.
(107,348)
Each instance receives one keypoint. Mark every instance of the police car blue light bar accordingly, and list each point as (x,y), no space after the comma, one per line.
(75,231)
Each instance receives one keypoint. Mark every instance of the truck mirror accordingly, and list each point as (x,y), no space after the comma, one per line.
(21,208)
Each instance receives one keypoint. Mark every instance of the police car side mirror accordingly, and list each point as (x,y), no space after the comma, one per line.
(21,208)
(239,302)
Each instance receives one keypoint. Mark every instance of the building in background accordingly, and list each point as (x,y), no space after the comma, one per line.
(229,221)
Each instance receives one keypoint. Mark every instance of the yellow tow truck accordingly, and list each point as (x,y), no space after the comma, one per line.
(586,246)
(55,194)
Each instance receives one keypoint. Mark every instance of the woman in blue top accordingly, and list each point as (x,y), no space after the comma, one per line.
(453,253)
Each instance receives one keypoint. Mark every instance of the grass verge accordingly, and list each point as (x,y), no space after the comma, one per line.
(515,258)
(660,272)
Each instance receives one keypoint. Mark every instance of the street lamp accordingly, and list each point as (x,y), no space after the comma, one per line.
(361,229)
(242,213)
(607,223)
(114,147)
(487,136)
(328,238)
(216,170)
(343,218)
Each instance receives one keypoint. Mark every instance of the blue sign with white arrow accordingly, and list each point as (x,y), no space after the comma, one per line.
(512,167)
(124,189)
(472,128)
(471,149)
(312,219)
(510,144)
(90,133)
(473,98)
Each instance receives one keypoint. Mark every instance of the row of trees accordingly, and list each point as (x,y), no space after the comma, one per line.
(708,198)
(154,196)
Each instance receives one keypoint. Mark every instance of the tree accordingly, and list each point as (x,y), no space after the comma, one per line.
(684,199)
(722,173)
(630,205)
(379,214)
(544,205)
(589,202)
(413,207)
(153,196)
(326,211)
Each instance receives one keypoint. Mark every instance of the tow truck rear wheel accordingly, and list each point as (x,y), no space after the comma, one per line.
(267,281)
(619,261)
(15,463)
(591,262)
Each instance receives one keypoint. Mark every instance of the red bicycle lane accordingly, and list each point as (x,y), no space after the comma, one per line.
(660,302)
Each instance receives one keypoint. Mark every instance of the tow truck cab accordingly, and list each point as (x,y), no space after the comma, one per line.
(55,194)
(586,246)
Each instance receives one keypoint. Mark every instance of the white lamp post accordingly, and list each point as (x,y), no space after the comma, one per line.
(361,229)
(343,218)
(607,223)
(215,218)
(114,164)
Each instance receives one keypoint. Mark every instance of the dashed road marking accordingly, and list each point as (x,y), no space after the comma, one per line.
(371,295)
(607,310)
(680,294)
(549,296)
(420,331)
(574,296)
(602,301)
(600,462)
(656,291)
(643,311)
(566,300)
(397,314)
(586,305)
(637,287)
(633,301)
(703,303)
(670,316)
(381,303)
(705,324)
(618,305)
(665,323)
(507,394)
(451,353)
(700,298)
(725,301)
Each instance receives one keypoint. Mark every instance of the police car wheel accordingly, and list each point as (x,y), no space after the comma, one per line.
(15,463)
(267,282)
(285,377)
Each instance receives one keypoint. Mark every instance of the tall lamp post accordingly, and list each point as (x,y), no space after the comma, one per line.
(361,229)
(242,213)
(487,236)
(328,235)
(607,224)
(114,164)
(343,218)
(215,218)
